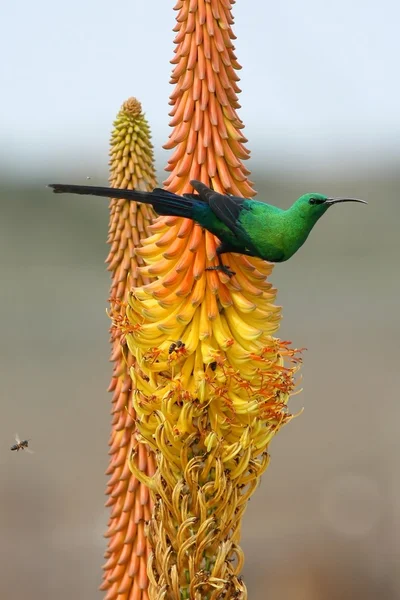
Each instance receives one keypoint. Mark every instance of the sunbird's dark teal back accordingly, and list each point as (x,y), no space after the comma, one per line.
(244,226)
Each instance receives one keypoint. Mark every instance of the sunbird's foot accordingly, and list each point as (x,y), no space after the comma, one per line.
(223,269)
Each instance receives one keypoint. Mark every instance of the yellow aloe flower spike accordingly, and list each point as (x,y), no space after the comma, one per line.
(211,383)
(131,166)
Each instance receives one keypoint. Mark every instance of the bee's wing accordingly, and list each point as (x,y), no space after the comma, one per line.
(29,451)
(17,438)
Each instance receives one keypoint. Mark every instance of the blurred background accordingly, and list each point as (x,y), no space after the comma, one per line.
(320,103)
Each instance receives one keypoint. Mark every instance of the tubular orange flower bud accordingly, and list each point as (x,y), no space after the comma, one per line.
(131,166)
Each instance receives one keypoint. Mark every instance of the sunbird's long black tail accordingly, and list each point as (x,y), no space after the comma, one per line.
(163,202)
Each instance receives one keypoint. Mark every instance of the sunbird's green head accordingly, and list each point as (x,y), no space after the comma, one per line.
(313,206)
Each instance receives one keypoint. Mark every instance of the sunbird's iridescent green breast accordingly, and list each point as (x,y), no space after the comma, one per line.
(244,226)
(277,234)
(270,232)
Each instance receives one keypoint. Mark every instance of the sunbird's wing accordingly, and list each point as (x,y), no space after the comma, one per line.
(227,209)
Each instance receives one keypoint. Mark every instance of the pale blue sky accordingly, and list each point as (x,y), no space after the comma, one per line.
(320,80)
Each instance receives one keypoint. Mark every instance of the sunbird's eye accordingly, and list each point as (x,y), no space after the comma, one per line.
(316,201)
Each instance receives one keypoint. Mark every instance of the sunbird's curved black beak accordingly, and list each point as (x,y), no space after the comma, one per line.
(337,200)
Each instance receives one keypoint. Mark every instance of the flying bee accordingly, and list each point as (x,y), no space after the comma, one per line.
(21,445)
(172,348)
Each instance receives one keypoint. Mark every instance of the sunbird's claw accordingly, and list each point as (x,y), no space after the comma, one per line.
(223,269)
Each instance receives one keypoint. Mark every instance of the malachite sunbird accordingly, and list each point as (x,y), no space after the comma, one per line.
(242,225)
